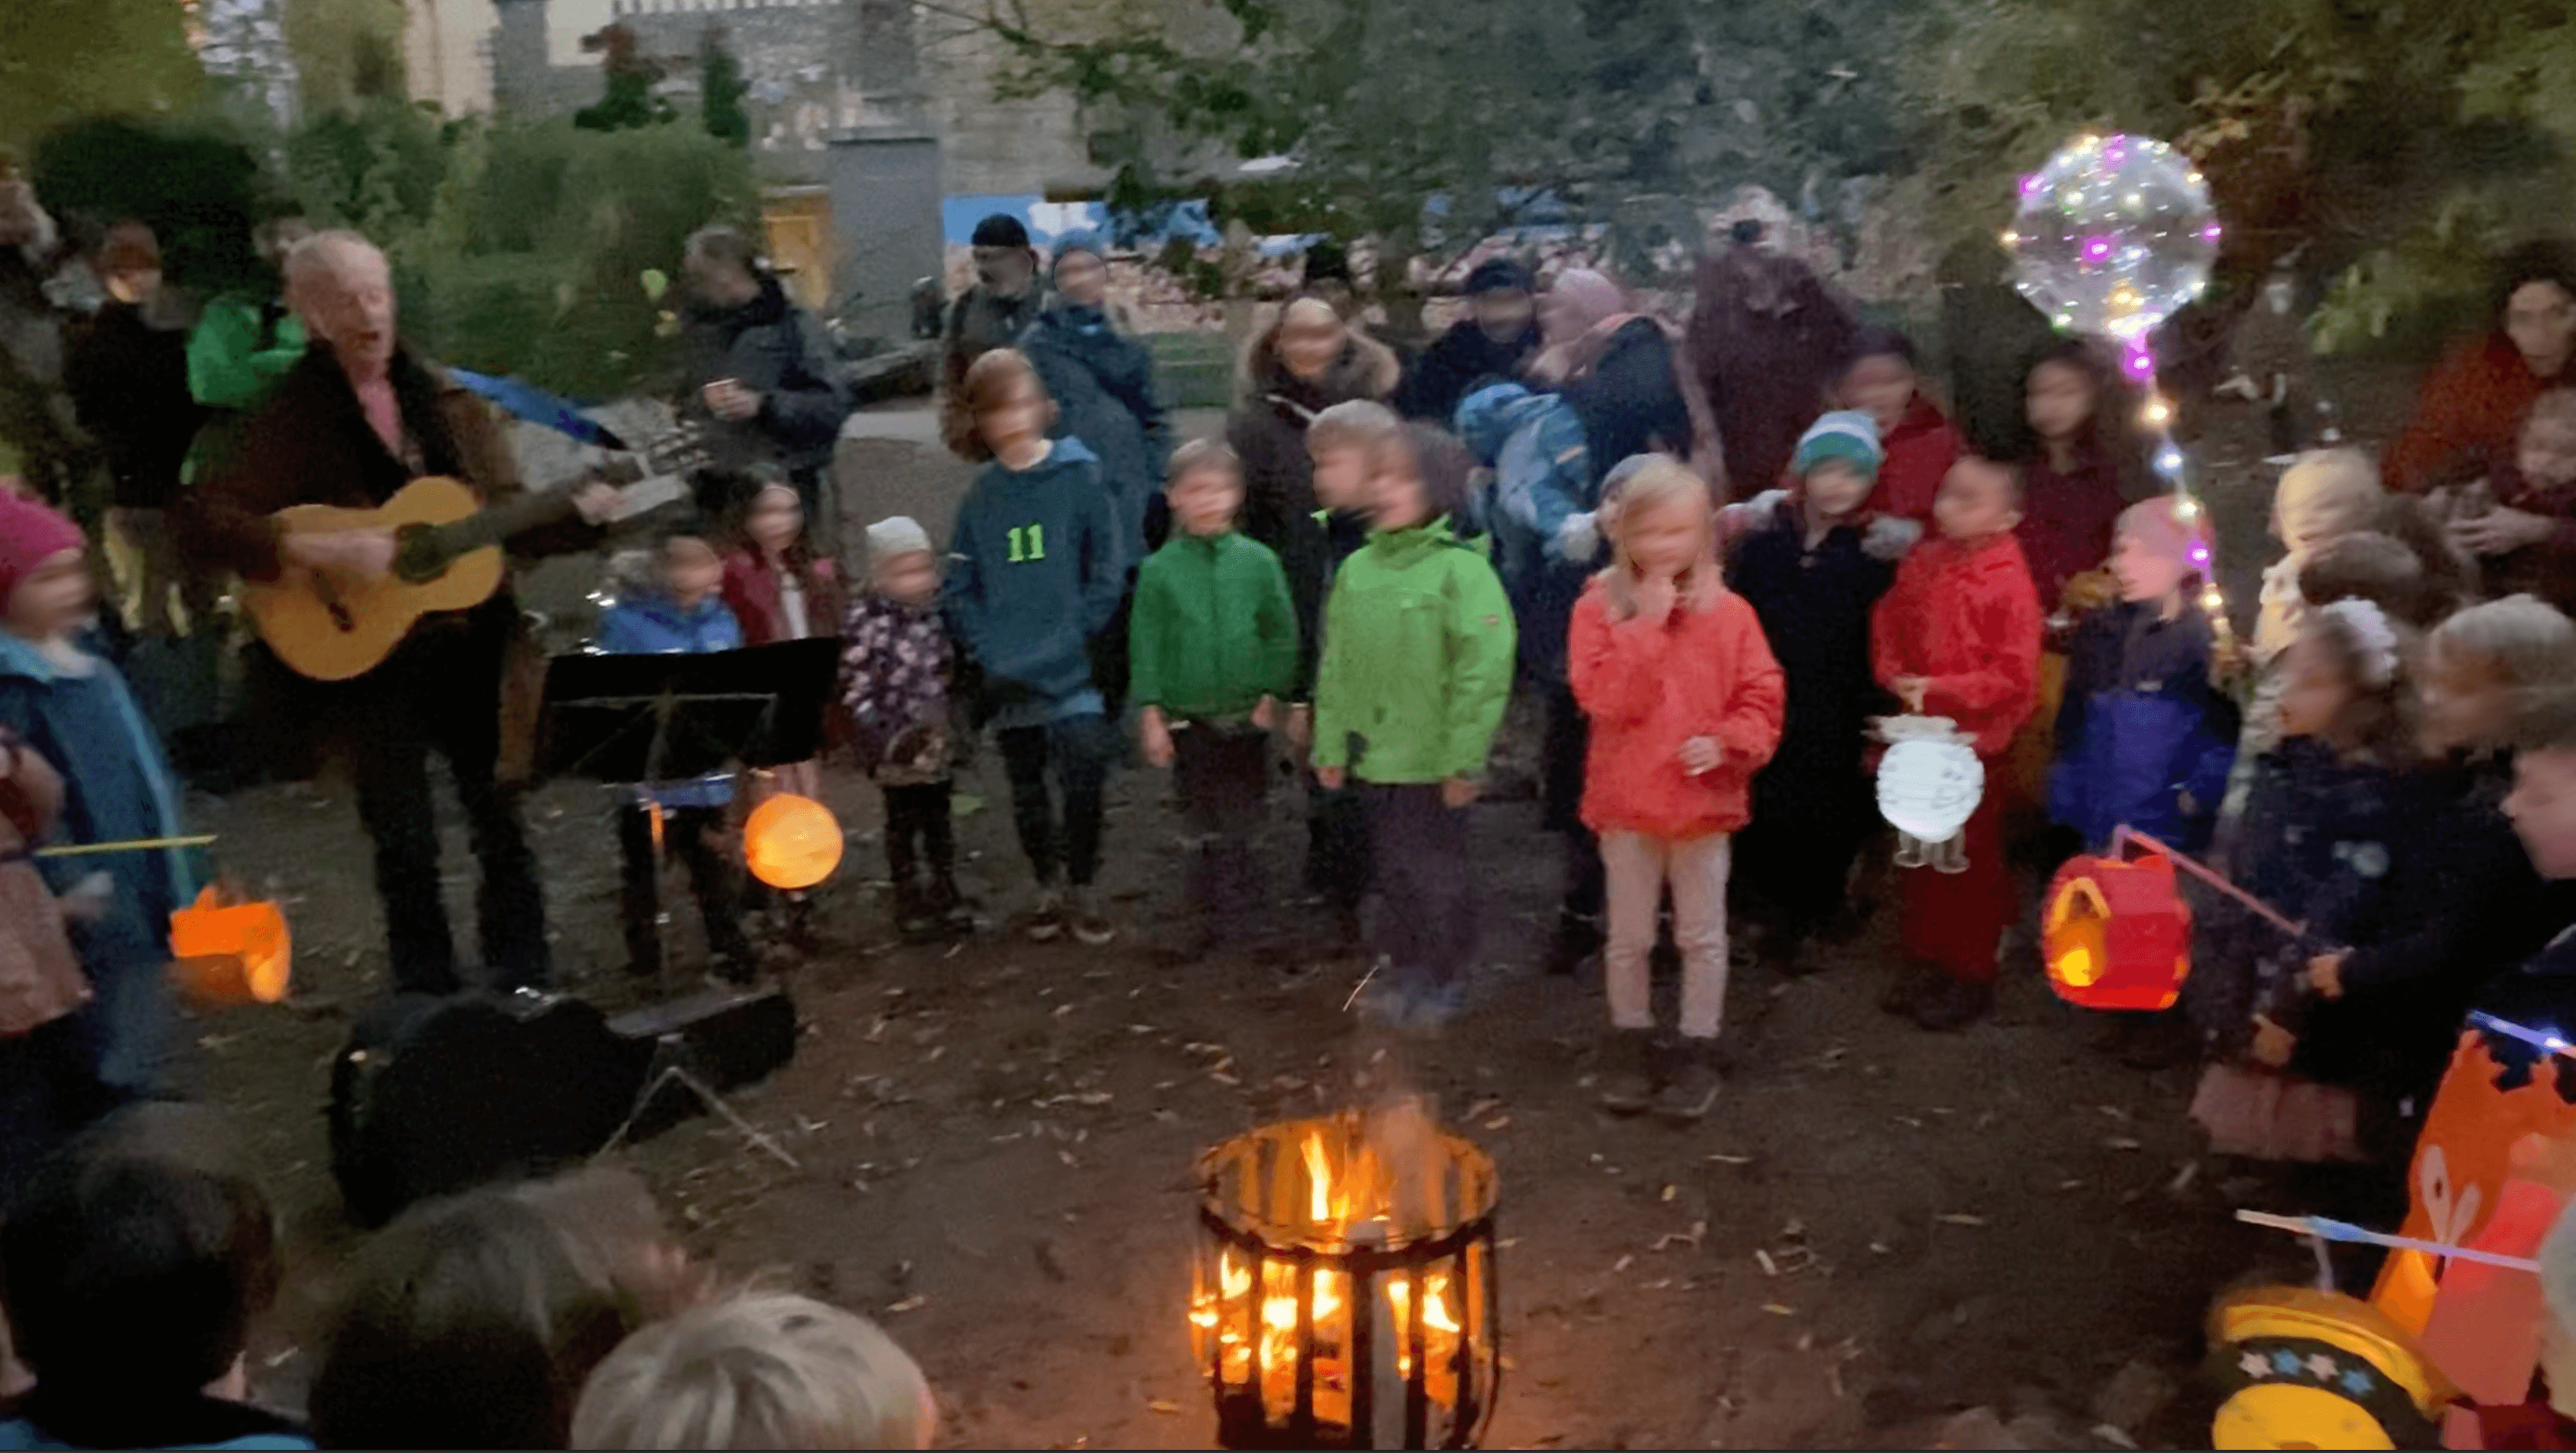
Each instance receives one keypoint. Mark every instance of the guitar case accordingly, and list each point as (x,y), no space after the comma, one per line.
(434,1095)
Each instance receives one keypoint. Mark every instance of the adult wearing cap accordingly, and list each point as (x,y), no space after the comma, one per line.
(1492,342)
(766,370)
(1102,381)
(1000,306)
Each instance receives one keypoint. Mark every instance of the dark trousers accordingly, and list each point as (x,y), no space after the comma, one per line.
(1337,844)
(1222,772)
(1076,753)
(441,691)
(1562,754)
(918,834)
(693,835)
(1427,926)
(1811,813)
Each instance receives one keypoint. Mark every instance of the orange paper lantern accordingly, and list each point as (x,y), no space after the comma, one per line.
(791,842)
(2115,935)
(231,951)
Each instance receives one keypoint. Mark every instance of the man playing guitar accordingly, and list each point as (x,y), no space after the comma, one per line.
(357,418)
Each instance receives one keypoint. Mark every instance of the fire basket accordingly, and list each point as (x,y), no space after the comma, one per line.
(1318,1240)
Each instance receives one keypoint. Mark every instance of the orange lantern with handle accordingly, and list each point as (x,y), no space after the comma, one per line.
(2115,934)
(231,950)
(791,842)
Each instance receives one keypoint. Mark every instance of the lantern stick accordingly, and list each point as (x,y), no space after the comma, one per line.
(2319,1226)
(130,845)
(2124,835)
(2480,1019)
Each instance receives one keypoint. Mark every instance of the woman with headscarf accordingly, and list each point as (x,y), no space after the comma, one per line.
(1621,371)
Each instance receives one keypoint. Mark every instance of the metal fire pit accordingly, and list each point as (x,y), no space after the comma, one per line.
(1305,1283)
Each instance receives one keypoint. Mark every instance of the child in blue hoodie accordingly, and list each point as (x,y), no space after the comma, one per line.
(683,612)
(1036,571)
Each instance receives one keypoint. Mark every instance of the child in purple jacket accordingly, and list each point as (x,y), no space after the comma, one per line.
(898,670)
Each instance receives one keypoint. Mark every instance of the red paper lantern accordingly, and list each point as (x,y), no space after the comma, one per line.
(2115,934)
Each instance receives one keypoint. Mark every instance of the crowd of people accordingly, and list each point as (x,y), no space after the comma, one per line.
(1725,584)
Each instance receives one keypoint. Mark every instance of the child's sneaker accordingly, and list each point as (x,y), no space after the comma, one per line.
(1690,1087)
(1046,921)
(1089,927)
(1628,1072)
(1954,1005)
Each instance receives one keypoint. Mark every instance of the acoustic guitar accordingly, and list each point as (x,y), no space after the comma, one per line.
(447,557)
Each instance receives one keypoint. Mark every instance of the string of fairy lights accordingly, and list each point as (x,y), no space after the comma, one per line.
(2113,235)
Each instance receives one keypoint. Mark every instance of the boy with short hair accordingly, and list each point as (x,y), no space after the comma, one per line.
(1213,644)
(681,611)
(1340,442)
(1958,636)
(898,683)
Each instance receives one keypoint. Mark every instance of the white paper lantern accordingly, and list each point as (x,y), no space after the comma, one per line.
(1928,786)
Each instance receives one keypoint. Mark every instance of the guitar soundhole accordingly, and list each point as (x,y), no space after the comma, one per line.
(341,618)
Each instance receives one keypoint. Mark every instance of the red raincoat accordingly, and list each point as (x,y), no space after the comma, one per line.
(1965,616)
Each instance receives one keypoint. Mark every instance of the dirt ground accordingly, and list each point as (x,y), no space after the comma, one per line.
(1875,1228)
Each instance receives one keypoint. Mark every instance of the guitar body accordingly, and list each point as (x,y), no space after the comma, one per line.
(334,631)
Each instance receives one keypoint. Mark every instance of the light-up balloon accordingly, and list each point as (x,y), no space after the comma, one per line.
(2114,234)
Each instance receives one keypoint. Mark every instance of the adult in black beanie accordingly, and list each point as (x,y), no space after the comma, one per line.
(1493,341)
(1000,306)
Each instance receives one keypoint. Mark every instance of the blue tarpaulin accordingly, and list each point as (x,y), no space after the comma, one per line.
(527,401)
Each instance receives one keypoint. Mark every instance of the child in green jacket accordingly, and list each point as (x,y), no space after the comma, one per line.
(1417,667)
(1213,647)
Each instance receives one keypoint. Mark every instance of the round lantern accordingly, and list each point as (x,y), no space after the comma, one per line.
(2116,935)
(2301,1368)
(1929,785)
(231,951)
(791,842)
(2113,234)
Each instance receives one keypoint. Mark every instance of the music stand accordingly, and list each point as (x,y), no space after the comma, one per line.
(675,717)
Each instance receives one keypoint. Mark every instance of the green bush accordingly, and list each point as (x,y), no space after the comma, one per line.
(195,185)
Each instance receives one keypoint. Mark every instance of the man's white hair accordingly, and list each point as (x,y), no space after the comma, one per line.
(328,255)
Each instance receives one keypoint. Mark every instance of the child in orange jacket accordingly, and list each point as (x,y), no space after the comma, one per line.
(1685,702)
(1958,636)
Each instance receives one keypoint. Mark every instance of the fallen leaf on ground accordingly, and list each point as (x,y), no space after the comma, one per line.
(910,1304)
(1164,1406)
(1962,1218)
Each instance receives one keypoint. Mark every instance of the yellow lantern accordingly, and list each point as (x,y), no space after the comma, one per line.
(2302,1368)
(230,950)
(791,842)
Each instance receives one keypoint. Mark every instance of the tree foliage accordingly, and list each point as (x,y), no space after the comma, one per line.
(196,187)
(65,60)
(721,90)
(346,52)
(627,76)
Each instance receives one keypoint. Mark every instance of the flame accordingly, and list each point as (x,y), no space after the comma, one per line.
(1320,1205)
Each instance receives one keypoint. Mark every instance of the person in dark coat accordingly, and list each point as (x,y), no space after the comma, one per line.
(765,370)
(1620,370)
(1102,381)
(1813,571)
(1767,341)
(994,313)
(128,377)
(1492,343)
(1307,361)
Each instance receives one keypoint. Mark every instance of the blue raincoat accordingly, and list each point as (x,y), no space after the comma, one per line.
(1539,513)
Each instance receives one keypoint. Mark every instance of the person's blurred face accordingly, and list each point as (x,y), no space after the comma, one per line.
(350,306)
(1975,500)
(2059,402)
(911,578)
(2547,452)
(2542,806)
(1665,537)
(1881,386)
(2469,701)
(1342,477)
(1083,279)
(276,239)
(691,568)
(138,286)
(1310,339)
(2540,317)
(1205,500)
(777,517)
(1016,420)
(1395,486)
(2144,572)
(1005,272)
(2315,691)
(53,598)
(1503,314)
(719,284)
(2279,295)
(1835,489)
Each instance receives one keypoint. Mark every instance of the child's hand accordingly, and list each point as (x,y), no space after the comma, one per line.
(88,900)
(1702,754)
(1910,692)
(2272,1043)
(1266,715)
(1656,599)
(1330,778)
(1457,792)
(1301,730)
(2325,974)
(2186,804)
(1155,737)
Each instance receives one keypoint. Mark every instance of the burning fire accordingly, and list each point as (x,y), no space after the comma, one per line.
(1336,1206)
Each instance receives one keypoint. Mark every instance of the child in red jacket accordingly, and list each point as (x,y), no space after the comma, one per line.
(1958,636)
(1685,702)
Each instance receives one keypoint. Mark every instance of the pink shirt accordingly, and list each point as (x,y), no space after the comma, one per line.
(383,410)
